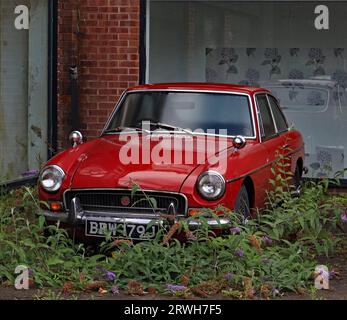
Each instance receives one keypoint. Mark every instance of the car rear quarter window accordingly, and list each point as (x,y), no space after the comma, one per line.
(280,120)
(267,125)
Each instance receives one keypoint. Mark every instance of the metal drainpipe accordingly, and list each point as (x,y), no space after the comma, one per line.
(52,78)
(74,71)
(143,31)
(75,118)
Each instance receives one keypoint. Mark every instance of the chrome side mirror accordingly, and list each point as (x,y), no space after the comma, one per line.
(76,138)
(239,142)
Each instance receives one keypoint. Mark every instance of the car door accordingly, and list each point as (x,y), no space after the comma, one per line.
(271,139)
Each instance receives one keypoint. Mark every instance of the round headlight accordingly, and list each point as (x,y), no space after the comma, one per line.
(211,185)
(51,178)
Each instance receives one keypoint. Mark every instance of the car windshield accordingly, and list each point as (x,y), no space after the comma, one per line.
(301,98)
(188,110)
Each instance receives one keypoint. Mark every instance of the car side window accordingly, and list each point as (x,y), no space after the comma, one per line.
(265,117)
(280,120)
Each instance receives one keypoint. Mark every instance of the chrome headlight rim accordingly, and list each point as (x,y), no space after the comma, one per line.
(223,187)
(61,175)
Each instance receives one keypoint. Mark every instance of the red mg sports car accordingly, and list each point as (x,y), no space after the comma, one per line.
(168,152)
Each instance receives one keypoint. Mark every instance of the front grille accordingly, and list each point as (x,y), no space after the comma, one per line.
(114,201)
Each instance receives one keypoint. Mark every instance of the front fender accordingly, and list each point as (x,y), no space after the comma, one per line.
(69,160)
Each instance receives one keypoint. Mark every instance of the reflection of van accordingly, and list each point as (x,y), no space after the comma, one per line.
(318,108)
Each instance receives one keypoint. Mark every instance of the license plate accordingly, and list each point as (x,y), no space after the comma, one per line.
(116,230)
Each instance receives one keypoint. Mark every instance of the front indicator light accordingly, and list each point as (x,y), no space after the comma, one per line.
(56,206)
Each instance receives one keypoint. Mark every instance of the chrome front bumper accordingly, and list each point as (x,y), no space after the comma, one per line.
(77,216)
(223,223)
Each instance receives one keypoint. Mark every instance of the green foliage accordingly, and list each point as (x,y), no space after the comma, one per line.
(276,250)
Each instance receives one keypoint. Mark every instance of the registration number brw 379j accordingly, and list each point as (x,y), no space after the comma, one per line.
(132,231)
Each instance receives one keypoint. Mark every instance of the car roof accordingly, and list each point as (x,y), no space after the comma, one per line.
(199,86)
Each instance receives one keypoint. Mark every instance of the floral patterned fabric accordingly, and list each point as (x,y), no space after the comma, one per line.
(320,112)
(249,66)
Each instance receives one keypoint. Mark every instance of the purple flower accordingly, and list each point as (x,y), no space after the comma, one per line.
(175,288)
(265,261)
(228,276)
(236,230)
(115,290)
(109,275)
(344,218)
(30,173)
(239,253)
(268,241)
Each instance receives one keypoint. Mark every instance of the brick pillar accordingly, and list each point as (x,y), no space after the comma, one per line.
(102,37)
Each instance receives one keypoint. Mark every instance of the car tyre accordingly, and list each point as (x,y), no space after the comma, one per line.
(297,182)
(242,204)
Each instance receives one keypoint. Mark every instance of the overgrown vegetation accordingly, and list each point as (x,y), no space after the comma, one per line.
(263,257)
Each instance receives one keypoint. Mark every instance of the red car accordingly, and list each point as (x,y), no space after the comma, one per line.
(168,152)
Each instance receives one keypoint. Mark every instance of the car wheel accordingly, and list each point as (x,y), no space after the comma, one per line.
(242,204)
(297,181)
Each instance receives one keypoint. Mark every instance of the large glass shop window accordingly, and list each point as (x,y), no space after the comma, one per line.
(284,46)
(23,90)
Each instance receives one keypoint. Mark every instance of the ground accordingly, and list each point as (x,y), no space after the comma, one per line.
(269,254)
(338,288)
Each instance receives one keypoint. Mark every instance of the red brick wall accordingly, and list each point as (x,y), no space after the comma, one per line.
(102,38)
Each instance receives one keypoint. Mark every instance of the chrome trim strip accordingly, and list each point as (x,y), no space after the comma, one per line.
(135,208)
(124,215)
(127,190)
(212,223)
(260,120)
(261,138)
(120,220)
(250,102)
(56,216)
(63,217)
(281,111)
(272,114)
(108,122)
(261,167)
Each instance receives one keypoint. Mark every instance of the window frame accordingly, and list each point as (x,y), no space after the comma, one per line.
(250,106)
(280,111)
(262,135)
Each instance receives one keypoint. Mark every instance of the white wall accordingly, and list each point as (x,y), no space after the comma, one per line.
(23,89)
(181,31)
(177,51)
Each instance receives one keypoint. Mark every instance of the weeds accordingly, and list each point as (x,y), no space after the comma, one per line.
(274,253)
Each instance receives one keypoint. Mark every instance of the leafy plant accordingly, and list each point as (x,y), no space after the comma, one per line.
(273,253)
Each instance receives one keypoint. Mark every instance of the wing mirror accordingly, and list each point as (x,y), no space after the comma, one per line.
(76,138)
(239,142)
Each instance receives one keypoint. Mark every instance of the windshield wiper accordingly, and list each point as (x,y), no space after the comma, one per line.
(169,127)
(121,129)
